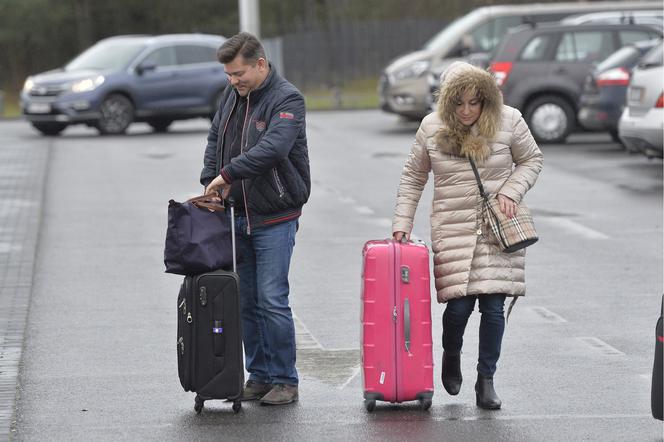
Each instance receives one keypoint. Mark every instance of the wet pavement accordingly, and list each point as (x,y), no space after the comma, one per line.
(98,361)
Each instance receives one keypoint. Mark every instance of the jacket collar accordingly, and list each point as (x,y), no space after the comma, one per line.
(265,85)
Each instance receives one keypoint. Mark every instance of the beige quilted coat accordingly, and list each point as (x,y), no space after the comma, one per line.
(467,258)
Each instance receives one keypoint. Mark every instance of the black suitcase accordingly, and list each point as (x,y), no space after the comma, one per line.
(209,341)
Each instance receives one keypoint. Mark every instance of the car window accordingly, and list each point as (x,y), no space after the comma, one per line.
(111,55)
(536,48)
(654,57)
(628,37)
(161,57)
(487,36)
(192,54)
(454,30)
(626,56)
(590,46)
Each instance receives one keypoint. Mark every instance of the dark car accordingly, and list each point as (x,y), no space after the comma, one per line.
(125,79)
(541,70)
(603,97)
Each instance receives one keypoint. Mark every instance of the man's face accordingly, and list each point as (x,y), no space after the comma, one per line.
(244,76)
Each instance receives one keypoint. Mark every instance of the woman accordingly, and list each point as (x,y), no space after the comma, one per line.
(471,123)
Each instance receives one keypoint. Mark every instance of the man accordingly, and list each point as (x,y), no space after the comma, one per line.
(257,156)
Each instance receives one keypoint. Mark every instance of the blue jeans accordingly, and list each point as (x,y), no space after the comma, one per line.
(268,331)
(492,326)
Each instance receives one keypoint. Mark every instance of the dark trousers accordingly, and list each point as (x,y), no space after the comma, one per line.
(492,326)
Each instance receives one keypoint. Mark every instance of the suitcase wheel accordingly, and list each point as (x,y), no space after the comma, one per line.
(237,406)
(425,403)
(370,404)
(198,404)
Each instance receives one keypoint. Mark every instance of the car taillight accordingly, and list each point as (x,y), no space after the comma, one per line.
(613,77)
(660,100)
(501,70)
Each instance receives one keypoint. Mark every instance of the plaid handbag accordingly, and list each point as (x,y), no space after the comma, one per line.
(512,233)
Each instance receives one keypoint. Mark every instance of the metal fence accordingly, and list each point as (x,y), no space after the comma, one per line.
(346,51)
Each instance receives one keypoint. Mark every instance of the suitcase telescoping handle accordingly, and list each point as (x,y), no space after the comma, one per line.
(406,323)
(231,203)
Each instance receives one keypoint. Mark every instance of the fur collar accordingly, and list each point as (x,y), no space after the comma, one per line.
(455,138)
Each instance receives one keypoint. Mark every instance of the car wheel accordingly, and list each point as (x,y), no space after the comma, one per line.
(160,125)
(49,129)
(550,118)
(117,113)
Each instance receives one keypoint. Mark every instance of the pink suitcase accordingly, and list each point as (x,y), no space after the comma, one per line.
(397,358)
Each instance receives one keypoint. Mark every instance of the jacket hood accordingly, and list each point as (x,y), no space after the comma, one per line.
(454,137)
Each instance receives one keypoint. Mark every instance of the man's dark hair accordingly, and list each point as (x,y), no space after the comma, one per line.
(244,44)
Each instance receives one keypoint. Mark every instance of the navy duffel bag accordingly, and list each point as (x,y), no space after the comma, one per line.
(198,238)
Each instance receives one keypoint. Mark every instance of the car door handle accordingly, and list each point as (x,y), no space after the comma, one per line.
(560,70)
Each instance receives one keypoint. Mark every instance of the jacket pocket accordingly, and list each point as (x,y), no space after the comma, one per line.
(277,182)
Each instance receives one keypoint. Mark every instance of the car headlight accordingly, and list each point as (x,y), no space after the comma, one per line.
(88,84)
(27,86)
(413,71)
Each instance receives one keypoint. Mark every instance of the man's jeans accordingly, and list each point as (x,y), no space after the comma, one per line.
(268,331)
(492,326)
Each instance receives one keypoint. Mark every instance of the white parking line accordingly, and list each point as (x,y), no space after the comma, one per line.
(575,228)
(303,337)
(356,371)
(548,315)
(383,222)
(364,210)
(599,345)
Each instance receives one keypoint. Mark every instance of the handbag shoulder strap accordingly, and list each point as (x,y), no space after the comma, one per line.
(479,181)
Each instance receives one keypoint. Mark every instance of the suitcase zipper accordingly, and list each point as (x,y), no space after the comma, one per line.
(242,146)
(395,331)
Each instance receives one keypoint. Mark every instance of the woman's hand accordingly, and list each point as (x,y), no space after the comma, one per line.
(507,205)
(399,235)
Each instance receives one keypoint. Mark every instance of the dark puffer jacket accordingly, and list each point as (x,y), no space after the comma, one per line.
(274,163)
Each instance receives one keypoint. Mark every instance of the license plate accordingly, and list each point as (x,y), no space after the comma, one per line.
(635,94)
(39,108)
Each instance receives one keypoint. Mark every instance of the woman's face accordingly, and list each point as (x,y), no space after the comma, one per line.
(468,108)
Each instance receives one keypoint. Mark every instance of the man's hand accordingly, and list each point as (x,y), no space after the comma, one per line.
(507,205)
(218,185)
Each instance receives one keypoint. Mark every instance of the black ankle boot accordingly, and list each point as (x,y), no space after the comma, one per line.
(451,374)
(485,394)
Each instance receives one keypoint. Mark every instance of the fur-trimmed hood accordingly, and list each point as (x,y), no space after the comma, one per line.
(454,137)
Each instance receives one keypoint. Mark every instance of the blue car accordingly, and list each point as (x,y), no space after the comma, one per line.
(126,79)
(603,98)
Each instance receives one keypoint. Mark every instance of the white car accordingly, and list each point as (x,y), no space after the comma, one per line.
(641,125)
(653,17)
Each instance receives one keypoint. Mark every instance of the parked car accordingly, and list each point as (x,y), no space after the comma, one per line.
(603,97)
(641,124)
(653,17)
(403,86)
(125,79)
(541,70)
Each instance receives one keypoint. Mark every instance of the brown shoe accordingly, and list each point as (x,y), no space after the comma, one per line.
(254,390)
(280,394)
